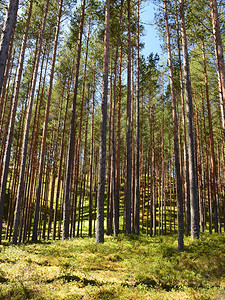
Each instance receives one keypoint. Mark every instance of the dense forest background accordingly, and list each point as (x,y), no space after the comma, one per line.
(95,136)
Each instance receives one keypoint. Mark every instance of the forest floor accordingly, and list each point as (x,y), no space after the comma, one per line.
(121,268)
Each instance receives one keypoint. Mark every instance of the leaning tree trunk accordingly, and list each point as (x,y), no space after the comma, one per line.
(102,149)
(190,127)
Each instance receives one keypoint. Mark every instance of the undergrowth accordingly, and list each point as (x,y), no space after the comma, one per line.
(126,267)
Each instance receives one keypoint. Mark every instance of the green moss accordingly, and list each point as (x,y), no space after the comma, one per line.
(126,267)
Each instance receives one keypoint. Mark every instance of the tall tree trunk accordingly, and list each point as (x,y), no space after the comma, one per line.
(212,152)
(129,151)
(45,126)
(90,215)
(36,126)
(55,165)
(137,179)
(114,182)
(118,134)
(12,119)
(102,149)
(70,156)
(153,175)
(185,150)
(207,167)
(199,168)
(176,143)
(190,127)
(60,164)
(77,169)
(109,177)
(27,125)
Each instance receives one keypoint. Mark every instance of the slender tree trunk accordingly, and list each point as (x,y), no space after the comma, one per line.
(60,165)
(109,177)
(212,152)
(185,150)
(199,168)
(90,215)
(77,169)
(36,126)
(55,166)
(153,175)
(118,177)
(27,125)
(163,162)
(70,156)
(190,126)
(207,167)
(102,149)
(12,118)
(176,143)
(137,181)
(114,182)
(45,127)
(129,151)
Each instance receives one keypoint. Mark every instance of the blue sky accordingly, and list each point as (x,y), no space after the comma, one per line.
(152,42)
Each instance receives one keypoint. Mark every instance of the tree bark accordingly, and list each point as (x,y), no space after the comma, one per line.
(212,152)
(6,35)
(45,127)
(176,143)
(70,155)
(102,149)
(185,150)
(137,179)
(129,151)
(190,127)
(12,118)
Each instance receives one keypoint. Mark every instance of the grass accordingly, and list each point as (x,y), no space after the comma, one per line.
(127,267)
